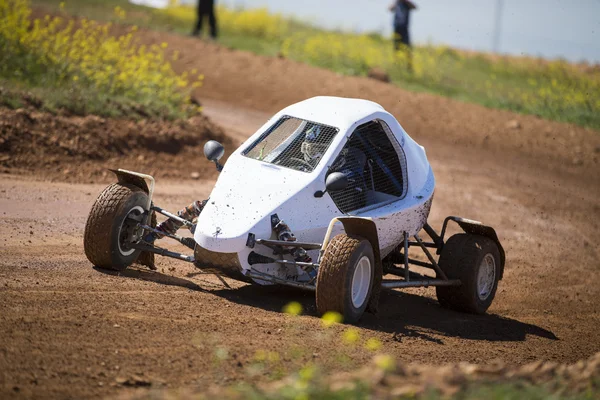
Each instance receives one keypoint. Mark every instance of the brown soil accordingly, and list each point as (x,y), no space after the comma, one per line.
(77,149)
(70,331)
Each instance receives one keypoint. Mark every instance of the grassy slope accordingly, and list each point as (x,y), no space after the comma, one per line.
(110,84)
(505,83)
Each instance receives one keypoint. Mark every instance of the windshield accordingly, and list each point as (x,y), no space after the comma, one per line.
(293,143)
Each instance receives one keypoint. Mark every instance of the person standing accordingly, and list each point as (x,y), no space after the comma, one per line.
(206,8)
(402,10)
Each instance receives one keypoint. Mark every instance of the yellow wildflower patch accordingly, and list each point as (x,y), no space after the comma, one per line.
(89,55)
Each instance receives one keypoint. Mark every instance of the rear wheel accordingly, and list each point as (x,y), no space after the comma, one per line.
(112,226)
(345,279)
(475,260)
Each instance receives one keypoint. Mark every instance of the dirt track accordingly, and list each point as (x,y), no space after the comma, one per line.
(67,330)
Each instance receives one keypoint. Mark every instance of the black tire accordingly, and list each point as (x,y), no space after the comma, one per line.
(336,272)
(107,222)
(462,258)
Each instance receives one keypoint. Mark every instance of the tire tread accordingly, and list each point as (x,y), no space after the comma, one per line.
(458,259)
(333,268)
(98,228)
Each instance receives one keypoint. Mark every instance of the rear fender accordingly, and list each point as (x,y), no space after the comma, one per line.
(477,228)
(363,227)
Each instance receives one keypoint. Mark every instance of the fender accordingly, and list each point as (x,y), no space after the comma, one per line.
(136,179)
(139,180)
(366,228)
(477,228)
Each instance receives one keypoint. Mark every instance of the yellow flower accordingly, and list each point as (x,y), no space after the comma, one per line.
(331,318)
(351,335)
(307,373)
(293,308)
(373,344)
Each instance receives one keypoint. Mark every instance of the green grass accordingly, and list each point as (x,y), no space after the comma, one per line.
(80,68)
(78,100)
(552,90)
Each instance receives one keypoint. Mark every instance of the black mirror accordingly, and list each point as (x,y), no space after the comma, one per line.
(213,150)
(336,181)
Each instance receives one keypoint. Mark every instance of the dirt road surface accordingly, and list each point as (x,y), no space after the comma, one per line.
(71,331)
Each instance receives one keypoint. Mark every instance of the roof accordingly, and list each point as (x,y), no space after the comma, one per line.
(339,112)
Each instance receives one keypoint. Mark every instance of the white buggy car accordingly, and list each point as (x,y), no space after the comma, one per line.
(349,182)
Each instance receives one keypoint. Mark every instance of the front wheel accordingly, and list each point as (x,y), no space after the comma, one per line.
(475,260)
(112,226)
(345,278)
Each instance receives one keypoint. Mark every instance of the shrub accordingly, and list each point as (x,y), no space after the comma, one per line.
(84,56)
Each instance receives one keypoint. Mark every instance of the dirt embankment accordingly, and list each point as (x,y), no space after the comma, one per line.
(79,149)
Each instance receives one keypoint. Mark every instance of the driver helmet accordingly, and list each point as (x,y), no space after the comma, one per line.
(314,145)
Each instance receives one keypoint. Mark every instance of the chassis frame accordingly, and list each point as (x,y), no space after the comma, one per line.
(397,263)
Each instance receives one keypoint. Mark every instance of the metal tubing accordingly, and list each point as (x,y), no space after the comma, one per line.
(283,243)
(426,244)
(401,272)
(420,263)
(163,252)
(173,216)
(327,235)
(298,263)
(437,240)
(445,225)
(406,266)
(169,235)
(392,284)
(437,268)
(270,278)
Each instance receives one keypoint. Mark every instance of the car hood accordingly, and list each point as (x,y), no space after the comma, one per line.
(245,196)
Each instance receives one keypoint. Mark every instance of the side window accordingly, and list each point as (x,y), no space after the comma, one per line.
(375,166)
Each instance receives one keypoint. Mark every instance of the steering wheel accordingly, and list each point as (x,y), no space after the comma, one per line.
(302,162)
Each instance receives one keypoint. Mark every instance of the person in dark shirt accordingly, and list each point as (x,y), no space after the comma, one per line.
(402,10)
(206,8)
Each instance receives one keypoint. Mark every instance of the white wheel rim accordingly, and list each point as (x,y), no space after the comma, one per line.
(130,251)
(486,276)
(361,280)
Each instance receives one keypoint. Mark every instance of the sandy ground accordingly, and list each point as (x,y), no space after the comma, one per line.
(68,330)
